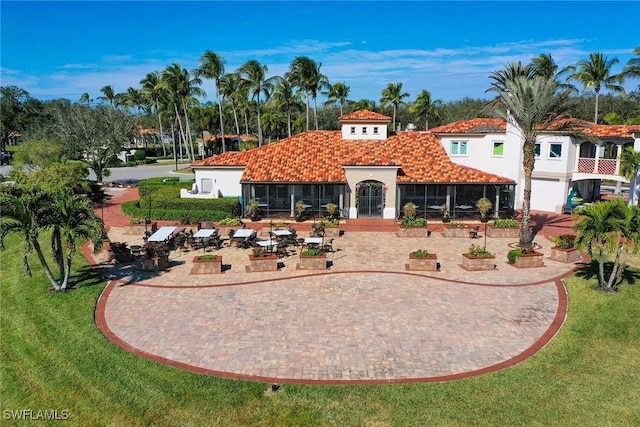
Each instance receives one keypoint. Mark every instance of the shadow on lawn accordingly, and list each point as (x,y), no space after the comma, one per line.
(625,274)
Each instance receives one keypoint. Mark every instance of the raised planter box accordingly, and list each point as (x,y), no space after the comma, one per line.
(475,263)
(463,232)
(502,232)
(153,264)
(413,232)
(332,231)
(429,263)
(263,263)
(534,259)
(565,255)
(312,262)
(207,266)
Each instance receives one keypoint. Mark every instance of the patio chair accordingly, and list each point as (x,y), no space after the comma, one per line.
(328,246)
(473,233)
(281,250)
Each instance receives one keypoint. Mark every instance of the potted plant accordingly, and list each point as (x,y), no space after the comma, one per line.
(504,228)
(261,260)
(423,260)
(564,249)
(300,210)
(410,224)
(331,226)
(332,210)
(207,264)
(522,258)
(252,210)
(312,259)
(478,258)
(484,205)
(444,210)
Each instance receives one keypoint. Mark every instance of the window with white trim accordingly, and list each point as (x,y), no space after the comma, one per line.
(364,130)
(375,130)
(537,151)
(555,150)
(458,148)
(498,149)
(353,130)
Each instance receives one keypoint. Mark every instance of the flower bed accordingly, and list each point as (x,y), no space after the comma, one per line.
(520,259)
(413,232)
(566,255)
(503,232)
(474,263)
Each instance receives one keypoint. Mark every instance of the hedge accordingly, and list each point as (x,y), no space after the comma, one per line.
(133,209)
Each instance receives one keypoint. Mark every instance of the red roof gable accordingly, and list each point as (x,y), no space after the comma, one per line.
(319,156)
(478,125)
(364,115)
(613,131)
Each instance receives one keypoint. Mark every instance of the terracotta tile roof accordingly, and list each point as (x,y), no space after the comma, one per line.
(614,131)
(364,116)
(473,126)
(318,156)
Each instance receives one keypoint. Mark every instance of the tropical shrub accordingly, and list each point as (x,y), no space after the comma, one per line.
(479,251)
(230,221)
(506,223)
(565,241)
(513,255)
(311,252)
(457,224)
(421,253)
(329,222)
(412,221)
(259,252)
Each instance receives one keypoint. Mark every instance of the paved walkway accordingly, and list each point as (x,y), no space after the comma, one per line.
(366,319)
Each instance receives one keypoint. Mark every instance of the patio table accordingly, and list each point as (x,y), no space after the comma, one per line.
(162,234)
(243,233)
(280,233)
(205,232)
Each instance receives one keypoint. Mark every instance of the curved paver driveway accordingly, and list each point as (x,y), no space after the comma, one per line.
(335,328)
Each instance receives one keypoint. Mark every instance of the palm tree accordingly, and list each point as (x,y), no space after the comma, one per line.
(109,95)
(510,72)
(211,66)
(305,73)
(337,93)
(364,104)
(596,73)
(254,78)
(286,100)
(154,93)
(633,65)
(230,89)
(545,66)
(132,98)
(535,105)
(629,168)
(425,107)
(183,88)
(393,95)
(607,227)
(74,221)
(84,98)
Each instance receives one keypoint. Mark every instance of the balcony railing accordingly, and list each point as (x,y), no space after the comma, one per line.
(603,166)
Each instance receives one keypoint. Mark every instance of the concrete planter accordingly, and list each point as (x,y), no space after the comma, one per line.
(457,232)
(332,231)
(153,264)
(207,266)
(472,263)
(565,255)
(312,262)
(534,259)
(268,262)
(413,232)
(429,263)
(510,233)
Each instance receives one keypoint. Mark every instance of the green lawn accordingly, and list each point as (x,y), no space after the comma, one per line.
(53,357)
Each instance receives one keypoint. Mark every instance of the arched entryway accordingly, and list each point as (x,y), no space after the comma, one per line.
(370,198)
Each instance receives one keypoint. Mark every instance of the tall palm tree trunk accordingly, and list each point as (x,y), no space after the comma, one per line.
(182,138)
(315,112)
(224,144)
(259,125)
(528,162)
(595,118)
(164,148)
(45,265)
(192,154)
(235,117)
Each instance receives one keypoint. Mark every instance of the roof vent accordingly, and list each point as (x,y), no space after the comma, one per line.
(410,126)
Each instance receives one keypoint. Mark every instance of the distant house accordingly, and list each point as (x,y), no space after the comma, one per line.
(561,161)
(363,168)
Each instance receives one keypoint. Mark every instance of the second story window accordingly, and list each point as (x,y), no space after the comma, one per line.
(364,130)
(458,148)
(375,130)
(353,130)
(498,149)
(555,150)
(537,151)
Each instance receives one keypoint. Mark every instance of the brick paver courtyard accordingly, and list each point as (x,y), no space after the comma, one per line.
(366,319)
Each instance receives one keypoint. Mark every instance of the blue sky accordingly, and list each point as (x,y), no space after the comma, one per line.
(62,49)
